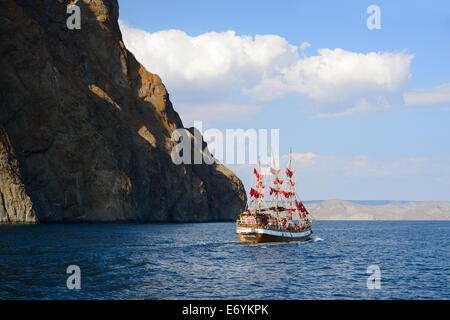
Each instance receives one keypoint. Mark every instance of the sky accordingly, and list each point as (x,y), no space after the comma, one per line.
(366,112)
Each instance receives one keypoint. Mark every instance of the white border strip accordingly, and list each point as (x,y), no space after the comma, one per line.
(274,233)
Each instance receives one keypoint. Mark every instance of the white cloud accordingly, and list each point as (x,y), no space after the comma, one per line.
(217,112)
(361,108)
(305,45)
(363,165)
(214,66)
(428,96)
(268,89)
(339,75)
(303,158)
(218,62)
(364,177)
(358,165)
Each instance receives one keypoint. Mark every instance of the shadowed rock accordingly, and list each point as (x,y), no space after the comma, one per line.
(85,130)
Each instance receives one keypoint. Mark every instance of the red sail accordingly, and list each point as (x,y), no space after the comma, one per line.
(306,211)
(258,176)
(289,173)
(260,185)
(272,190)
(254,193)
(302,208)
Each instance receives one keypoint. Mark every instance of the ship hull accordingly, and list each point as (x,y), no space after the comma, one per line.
(258,235)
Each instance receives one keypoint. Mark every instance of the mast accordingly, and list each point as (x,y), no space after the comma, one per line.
(290,182)
(276,189)
(276,184)
(259,197)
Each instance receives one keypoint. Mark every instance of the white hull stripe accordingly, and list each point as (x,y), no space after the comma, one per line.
(274,233)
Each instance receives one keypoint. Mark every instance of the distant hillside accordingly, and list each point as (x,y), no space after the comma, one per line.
(413,210)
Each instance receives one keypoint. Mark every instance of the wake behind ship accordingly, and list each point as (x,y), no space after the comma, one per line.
(279,219)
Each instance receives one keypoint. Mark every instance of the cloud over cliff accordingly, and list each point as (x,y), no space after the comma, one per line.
(267,67)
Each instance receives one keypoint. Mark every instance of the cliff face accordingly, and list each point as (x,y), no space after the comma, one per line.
(85,130)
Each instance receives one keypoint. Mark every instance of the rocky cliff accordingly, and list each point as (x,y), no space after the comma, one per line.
(85,130)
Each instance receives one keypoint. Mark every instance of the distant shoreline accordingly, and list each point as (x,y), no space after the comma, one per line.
(376,202)
(379,210)
(329,210)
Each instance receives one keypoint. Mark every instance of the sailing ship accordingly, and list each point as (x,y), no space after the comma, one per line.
(281,218)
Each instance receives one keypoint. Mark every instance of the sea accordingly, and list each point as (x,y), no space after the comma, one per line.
(343,260)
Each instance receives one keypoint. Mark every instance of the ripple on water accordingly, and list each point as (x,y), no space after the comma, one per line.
(207,261)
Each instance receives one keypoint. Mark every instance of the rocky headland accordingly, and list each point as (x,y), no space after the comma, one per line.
(85,129)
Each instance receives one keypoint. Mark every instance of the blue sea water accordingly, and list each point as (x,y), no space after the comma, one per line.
(206,261)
